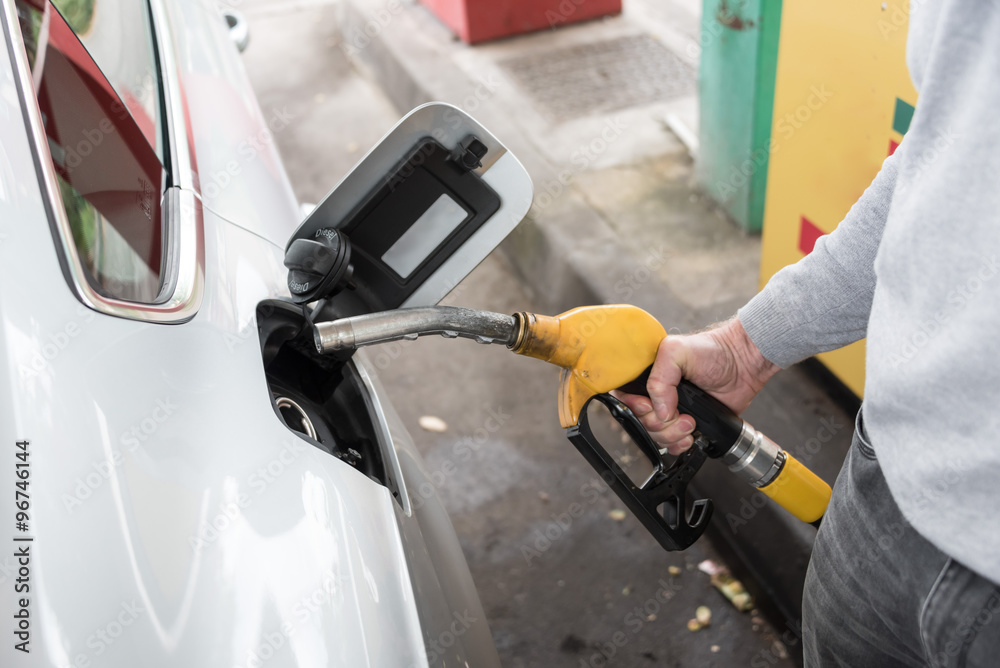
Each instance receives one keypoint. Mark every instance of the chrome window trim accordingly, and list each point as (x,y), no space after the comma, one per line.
(182,171)
(184,260)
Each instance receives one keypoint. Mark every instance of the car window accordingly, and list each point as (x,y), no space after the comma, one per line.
(118,36)
(103,138)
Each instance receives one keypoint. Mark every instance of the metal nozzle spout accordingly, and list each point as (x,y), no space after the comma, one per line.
(409,323)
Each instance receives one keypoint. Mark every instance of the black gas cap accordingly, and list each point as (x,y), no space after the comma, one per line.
(318,267)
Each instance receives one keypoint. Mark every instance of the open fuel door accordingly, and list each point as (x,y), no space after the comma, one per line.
(426,205)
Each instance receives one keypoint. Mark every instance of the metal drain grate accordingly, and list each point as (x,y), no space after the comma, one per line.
(605,76)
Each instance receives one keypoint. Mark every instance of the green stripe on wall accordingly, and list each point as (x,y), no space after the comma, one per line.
(902,116)
(767,72)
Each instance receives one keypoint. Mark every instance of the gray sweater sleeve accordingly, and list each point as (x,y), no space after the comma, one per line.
(822,302)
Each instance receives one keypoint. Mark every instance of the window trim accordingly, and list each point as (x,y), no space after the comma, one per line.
(183,283)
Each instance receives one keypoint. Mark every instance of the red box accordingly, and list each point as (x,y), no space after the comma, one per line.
(482,20)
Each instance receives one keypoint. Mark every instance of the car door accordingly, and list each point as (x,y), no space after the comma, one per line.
(179,515)
(171,516)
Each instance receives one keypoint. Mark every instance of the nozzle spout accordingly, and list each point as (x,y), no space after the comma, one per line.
(409,323)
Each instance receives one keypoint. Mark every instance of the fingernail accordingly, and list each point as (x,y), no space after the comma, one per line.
(661,411)
(687,425)
(680,446)
(643,407)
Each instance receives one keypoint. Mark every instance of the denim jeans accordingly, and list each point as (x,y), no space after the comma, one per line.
(878,595)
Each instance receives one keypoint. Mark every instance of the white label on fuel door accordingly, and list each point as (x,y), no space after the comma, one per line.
(441,219)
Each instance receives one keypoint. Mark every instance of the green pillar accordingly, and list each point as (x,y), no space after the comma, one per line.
(739,56)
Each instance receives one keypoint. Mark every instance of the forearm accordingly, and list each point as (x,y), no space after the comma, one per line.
(823,301)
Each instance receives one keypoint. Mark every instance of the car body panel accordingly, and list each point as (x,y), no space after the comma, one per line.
(142,437)
(175,519)
(238,172)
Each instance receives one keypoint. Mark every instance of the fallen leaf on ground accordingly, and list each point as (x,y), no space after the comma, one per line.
(711,568)
(730,587)
(432,423)
(704,615)
(742,601)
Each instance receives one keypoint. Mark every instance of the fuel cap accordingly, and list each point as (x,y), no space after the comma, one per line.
(319,267)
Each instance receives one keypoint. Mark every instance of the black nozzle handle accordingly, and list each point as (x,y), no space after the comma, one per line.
(716,422)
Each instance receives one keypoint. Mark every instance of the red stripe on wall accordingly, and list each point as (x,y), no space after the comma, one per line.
(808,234)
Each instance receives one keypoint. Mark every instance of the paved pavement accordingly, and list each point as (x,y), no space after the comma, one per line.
(556,591)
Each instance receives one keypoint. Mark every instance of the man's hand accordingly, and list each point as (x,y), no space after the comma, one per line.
(722,361)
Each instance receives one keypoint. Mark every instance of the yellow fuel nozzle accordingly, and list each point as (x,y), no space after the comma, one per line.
(799,491)
(600,348)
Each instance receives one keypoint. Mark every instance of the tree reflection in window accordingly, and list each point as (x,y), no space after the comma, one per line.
(110,176)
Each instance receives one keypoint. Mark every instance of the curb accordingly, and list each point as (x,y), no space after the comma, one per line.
(567,255)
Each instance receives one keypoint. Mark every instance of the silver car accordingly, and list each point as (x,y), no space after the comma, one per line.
(189,483)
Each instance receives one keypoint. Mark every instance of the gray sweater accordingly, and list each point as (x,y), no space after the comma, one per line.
(915,266)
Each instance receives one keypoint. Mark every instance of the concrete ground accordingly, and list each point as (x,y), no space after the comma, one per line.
(617,216)
(558,590)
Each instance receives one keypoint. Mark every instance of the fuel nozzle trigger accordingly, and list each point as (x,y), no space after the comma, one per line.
(660,503)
